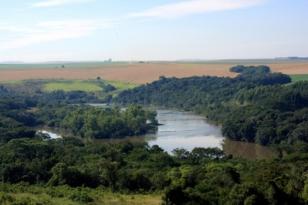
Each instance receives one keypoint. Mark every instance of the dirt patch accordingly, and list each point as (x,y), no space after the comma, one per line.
(291,68)
(139,73)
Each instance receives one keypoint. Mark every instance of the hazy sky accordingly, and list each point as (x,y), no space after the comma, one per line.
(43,30)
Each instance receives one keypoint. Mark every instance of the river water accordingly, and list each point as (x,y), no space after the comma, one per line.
(187,130)
(184,130)
(50,134)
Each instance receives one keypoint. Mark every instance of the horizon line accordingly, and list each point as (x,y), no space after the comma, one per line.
(151,61)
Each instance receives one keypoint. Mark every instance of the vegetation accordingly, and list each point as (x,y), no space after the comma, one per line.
(256,106)
(297,78)
(121,85)
(98,85)
(21,113)
(98,123)
(100,89)
(36,195)
(72,86)
(71,170)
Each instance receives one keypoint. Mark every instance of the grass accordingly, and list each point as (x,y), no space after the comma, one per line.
(35,195)
(104,198)
(297,78)
(12,82)
(35,199)
(95,86)
(122,85)
(86,86)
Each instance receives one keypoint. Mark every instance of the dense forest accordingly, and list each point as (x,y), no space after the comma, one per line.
(99,123)
(203,176)
(256,106)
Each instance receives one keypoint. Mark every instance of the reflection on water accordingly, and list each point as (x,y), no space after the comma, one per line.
(247,150)
(50,134)
(184,130)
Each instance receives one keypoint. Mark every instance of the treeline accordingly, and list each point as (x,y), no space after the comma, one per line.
(203,176)
(276,114)
(199,93)
(256,106)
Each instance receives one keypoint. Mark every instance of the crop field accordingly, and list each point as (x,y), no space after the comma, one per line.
(138,73)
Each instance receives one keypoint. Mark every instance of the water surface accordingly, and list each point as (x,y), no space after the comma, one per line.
(50,134)
(187,130)
(184,130)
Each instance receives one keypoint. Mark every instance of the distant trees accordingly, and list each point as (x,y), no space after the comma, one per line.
(248,70)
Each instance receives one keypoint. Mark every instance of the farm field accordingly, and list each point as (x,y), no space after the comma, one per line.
(139,73)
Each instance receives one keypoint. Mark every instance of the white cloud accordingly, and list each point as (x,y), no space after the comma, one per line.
(190,7)
(51,31)
(54,3)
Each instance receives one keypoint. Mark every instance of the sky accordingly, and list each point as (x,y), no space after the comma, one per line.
(95,30)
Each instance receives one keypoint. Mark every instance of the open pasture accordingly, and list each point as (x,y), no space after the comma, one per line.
(73,86)
(301,77)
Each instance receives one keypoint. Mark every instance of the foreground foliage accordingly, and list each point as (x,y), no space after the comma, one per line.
(203,176)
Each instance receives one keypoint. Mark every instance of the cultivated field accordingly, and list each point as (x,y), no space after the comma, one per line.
(138,73)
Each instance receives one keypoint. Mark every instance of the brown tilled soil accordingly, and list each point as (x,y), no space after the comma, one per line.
(139,73)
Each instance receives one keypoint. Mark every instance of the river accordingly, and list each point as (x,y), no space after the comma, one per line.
(184,130)
(50,134)
(187,130)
